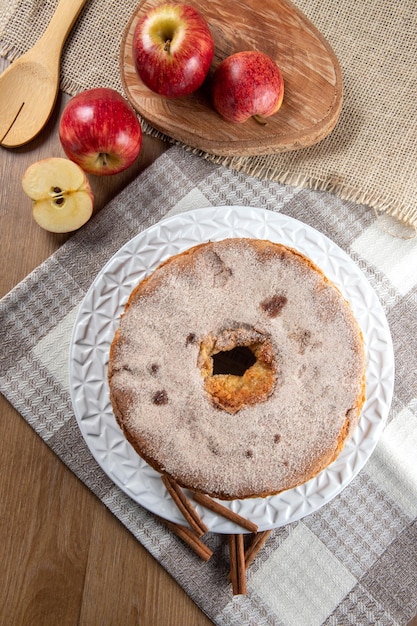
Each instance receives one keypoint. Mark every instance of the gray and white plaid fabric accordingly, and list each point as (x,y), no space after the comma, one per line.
(354,561)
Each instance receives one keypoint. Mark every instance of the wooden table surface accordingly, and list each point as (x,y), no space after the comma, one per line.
(65,559)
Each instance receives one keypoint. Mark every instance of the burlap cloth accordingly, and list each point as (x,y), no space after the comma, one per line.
(351,562)
(371,155)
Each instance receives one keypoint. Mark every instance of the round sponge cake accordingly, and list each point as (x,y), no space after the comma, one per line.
(238,369)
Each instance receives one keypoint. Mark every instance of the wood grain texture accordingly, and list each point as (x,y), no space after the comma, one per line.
(312,77)
(65,559)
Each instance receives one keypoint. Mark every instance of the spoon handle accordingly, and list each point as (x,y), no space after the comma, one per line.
(53,39)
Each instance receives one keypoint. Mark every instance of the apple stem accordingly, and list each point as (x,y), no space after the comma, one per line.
(167,46)
(261,120)
(103,158)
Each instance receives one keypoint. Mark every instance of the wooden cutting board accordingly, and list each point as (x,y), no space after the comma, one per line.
(312,78)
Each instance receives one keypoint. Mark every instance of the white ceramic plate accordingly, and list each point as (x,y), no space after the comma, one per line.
(98,318)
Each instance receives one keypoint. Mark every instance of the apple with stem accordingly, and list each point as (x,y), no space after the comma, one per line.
(61,195)
(247,84)
(173,49)
(100,131)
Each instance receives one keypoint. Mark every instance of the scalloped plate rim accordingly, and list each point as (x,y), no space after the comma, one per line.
(273,511)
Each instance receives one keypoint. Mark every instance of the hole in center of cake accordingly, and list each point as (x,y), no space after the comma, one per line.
(234,362)
(238,366)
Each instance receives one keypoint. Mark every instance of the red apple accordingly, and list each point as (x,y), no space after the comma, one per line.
(247,84)
(100,131)
(173,49)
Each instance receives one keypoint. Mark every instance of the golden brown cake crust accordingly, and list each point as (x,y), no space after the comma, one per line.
(273,426)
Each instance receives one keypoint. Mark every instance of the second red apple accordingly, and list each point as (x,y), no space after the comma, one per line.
(173,49)
(100,131)
(247,84)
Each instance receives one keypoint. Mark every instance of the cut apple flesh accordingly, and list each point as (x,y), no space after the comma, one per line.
(61,194)
(63,213)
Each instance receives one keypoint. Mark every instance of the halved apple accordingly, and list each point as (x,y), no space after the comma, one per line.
(61,194)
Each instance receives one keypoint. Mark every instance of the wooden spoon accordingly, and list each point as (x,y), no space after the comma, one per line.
(29,87)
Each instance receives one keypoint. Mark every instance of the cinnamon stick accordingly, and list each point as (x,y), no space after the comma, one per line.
(257,543)
(214,506)
(184,505)
(233,563)
(190,538)
(237,564)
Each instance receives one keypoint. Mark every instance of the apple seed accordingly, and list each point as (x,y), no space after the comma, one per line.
(57,196)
